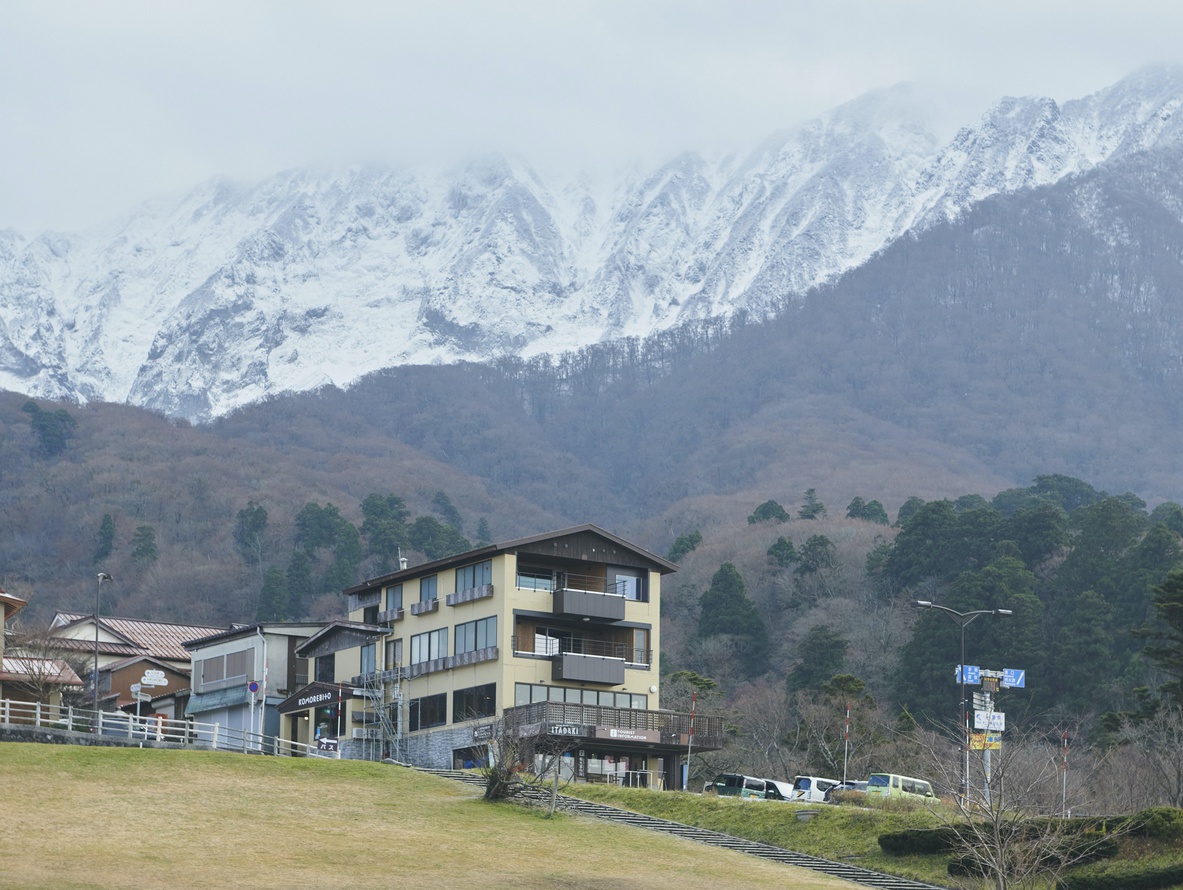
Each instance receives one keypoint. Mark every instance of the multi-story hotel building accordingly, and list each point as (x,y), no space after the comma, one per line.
(560,632)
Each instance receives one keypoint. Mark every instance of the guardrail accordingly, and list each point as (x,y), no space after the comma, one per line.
(121,725)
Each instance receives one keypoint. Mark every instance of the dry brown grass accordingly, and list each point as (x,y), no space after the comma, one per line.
(90,817)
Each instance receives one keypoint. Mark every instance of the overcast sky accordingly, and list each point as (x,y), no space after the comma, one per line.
(105,104)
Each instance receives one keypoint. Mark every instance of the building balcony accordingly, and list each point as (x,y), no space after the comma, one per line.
(390,616)
(448,662)
(425,608)
(595,604)
(624,725)
(572,667)
(470,595)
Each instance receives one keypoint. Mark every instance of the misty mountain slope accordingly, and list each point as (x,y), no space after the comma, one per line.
(1022,338)
(315,278)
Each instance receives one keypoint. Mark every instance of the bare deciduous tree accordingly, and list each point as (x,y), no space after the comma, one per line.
(1008,829)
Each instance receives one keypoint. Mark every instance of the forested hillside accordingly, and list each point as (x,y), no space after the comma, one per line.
(941,424)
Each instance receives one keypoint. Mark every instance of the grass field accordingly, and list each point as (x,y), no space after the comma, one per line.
(124,817)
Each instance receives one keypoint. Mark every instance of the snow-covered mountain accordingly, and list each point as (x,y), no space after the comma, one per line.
(313,277)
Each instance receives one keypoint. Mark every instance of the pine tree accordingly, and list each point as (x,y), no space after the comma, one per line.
(105,544)
(726,610)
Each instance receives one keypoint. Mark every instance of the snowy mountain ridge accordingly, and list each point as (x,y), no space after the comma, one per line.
(311,277)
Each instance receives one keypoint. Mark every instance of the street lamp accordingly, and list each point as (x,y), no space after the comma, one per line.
(103,576)
(962,619)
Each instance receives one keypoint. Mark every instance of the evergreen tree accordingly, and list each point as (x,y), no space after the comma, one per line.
(273,599)
(685,543)
(250,524)
(105,545)
(317,527)
(300,583)
(820,658)
(385,529)
(53,429)
(726,610)
(1082,658)
(435,540)
(909,509)
(447,510)
(869,511)
(812,508)
(1165,646)
(769,510)
(816,554)
(783,553)
(143,546)
(484,537)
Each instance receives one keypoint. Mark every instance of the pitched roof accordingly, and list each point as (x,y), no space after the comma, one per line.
(159,638)
(664,566)
(24,669)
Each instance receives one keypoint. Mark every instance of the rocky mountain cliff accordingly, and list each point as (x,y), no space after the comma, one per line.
(197,307)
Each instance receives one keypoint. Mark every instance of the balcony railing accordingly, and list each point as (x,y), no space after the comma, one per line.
(390,616)
(589,604)
(590,646)
(425,607)
(541,718)
(472,594)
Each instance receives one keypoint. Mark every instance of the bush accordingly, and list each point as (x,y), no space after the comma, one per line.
(1163,823)
(1129,877)
(918,841)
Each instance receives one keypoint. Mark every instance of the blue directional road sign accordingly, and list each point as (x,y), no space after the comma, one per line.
(1013,678)
(968,673)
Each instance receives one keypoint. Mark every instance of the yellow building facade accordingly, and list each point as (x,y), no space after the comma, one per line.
(556,634)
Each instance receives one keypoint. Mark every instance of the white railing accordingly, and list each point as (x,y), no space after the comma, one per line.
(119,724)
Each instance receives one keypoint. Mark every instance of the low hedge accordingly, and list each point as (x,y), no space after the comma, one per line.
(919,841)
(1125,876)
(1078,849)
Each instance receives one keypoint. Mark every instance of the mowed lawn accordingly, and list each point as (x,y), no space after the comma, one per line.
(126,817)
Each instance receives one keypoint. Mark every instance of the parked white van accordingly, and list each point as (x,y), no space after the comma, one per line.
(812,788)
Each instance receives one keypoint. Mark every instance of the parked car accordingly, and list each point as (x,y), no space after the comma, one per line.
(777,790)
(736,785)
(812,788)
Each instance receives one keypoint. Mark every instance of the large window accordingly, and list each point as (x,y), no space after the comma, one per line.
(535,579)
(476,575)
(629,583)
(474,702)
(394,597)
(427,589)
(529,693)
(429,646)
(431,710)
(326,668)
(473,635)
(220,671)
(369,655)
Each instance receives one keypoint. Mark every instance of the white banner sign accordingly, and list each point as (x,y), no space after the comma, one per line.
(992,721)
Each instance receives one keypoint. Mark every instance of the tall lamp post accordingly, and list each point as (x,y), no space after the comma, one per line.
(962,619)
(103,576)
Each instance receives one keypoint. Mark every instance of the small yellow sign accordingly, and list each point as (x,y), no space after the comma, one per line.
(982,741)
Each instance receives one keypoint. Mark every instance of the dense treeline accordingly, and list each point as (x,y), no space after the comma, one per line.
(796,625)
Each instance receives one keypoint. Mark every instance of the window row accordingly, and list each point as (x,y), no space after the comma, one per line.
(530,693)
(471,636)
(467,577)
(632,584)
(224,670)
(475,702)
